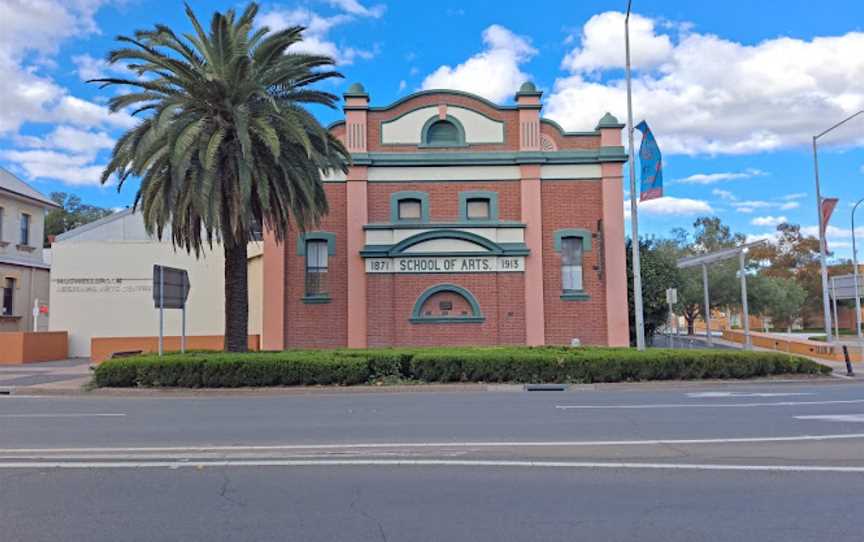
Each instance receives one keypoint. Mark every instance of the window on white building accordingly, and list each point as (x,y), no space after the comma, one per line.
(8,296)
(25,230)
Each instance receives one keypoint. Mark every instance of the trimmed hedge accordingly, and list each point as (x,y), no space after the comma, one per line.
(497,364)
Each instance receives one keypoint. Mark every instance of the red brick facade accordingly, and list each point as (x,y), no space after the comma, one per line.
(513,301)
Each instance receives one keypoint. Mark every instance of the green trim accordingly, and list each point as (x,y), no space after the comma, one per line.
(320,299)
(398,249)
(356,90)
(316,236)
(449,92)
(426,181)
(609,121)
(603,155)
(435,109)
(471,224)
(424,133)
(395,197)
(334,124)
(478,194)
(575,296)
(585,235)
(418,318)
(561,130)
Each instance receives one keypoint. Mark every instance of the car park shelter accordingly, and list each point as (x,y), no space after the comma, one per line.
(459,222)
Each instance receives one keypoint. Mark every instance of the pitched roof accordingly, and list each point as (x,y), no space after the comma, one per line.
(11,183)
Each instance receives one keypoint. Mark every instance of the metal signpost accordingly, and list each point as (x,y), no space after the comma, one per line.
(170,291)
(671,299)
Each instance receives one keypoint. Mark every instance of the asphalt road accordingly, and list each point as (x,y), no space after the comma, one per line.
(717,462)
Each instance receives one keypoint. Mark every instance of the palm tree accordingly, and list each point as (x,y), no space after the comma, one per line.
(226,144)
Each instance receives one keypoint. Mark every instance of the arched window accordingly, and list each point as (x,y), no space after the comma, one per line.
(446,132)
(443,132)
(446,304)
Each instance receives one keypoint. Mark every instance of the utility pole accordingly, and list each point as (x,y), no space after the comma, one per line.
(634,194)
(855,271)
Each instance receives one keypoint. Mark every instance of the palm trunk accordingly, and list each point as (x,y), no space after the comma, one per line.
(236,298)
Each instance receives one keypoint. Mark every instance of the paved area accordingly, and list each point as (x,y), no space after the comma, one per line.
(68,374)
(748,461)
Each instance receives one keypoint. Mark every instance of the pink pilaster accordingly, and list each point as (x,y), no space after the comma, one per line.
(357,214)
(273,326)
(532,212)
(615,260)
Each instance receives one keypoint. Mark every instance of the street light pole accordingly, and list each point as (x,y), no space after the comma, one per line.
(855,273)
(634,214)
(826,304)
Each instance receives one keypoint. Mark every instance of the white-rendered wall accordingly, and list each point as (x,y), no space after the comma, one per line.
(125,308)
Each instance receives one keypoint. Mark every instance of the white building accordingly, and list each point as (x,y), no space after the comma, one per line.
(23,272)
(101,284)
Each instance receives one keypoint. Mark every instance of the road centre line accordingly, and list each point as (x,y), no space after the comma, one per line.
(709,405)
(856,418)
(390,445)
(66,415)
(424,463)
(724,394)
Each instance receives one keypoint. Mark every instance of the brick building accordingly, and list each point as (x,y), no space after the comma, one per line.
(460,222)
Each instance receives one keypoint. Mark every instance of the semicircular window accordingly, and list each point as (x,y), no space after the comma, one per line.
(443,133)
(446,304)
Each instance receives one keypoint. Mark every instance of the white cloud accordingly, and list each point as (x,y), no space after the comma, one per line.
(670,206)
(493,73)
(73,169)
(603,44)
(796,195)
(708,94)
(711,178)
(70,139)
(724,194)
(356,8)
(402,85)
(768,220)
(38,27)
(90,67)
(315,38)
(748,206)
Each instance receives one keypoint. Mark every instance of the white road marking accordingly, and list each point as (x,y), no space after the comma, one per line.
(711,394)
(67,415)
(709,405)
(423,463)
(857,418)
(415,445)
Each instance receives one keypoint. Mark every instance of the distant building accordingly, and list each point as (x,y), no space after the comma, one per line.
(23,272)
(101,284)
(460,222)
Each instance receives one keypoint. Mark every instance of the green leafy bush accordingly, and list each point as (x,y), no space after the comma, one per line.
(493,364)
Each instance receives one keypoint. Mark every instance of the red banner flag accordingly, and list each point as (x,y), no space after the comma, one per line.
(828,205)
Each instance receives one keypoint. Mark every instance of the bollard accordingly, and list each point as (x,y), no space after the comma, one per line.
(849,371)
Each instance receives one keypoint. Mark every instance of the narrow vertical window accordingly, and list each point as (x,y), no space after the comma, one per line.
(8,293)
(316,267)
(25,229)
(1,224)
(571,264)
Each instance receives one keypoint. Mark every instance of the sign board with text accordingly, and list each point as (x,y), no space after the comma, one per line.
(174,282)
(446,264)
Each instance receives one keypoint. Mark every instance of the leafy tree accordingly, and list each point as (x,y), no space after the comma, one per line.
(709,235)
(72,213)
(657,261)
(779,298)
(226,143)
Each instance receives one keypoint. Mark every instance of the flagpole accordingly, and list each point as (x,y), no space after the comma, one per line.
(634,215)
(826,305)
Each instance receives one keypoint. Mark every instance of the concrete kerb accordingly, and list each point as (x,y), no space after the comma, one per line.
(82,389)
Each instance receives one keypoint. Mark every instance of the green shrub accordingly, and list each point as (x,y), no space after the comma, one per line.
(491,364)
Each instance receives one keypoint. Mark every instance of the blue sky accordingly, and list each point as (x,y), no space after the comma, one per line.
(733,90)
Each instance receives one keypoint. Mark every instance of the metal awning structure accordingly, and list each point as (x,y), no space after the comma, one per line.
(704,260)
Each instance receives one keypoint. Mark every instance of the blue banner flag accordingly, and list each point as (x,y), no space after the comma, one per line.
(652,165)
